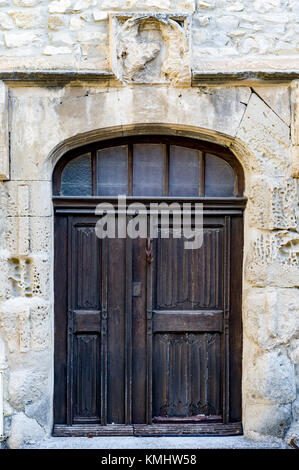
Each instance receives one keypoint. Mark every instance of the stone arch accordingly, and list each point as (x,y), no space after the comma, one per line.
(241,151)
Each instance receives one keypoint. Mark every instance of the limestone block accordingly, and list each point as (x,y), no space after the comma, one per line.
(272,203)
(202,4)
(40,411)
(57,21)
(295,161)
(150,49)
(272,259)
(20,39)
(278,99)
(80,5)
(40,328)
(5,287)
(59,6)
(25,324)
(61,38)
(5,21)
(26,20)
(27,198)
(35,132)
(40,276)
(9,328)
(26,386)
(51,50)
(24,430)
(99,15)
(26,3)
(270,378)
(237,6)
(266,420)
(220,110)
(75,23)
(25,276)
(4,148)
(24,329)
(271,316)
(268,137)
(92,37)
(41,238)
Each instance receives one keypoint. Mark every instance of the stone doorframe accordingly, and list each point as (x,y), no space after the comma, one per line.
(46,122)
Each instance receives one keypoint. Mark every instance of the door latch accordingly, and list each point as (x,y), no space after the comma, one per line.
(148,250)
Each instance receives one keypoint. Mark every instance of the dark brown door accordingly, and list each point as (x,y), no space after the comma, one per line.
(141,342)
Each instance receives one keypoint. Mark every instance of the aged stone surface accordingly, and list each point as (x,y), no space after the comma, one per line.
(270,378)
(264,420)
(278,99)
(272,202)
(268,136)
(272,259)
(248,35)
(24,429)
(272,316)
(150,49)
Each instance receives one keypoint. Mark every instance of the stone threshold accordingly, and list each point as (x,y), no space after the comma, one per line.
(179,442)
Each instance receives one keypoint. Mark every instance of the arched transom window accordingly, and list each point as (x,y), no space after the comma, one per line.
(148,167)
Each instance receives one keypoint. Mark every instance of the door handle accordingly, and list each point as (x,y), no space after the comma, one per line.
(148,250)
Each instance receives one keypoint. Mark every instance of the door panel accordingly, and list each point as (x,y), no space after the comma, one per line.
(84,322)
(187,376)
(187,327)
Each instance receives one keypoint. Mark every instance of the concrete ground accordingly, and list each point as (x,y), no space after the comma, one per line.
(234,442)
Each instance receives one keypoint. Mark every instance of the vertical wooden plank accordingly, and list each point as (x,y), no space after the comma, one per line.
(235,321)
(128,334)
(166,169)
(201,173)
(116,330)
(61,321)
(70,325)
(149,340)
(94,172)
(139,267)
(104,316)
(227,250)
(130,169)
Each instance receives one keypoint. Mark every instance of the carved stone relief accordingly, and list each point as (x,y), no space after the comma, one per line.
(150,49)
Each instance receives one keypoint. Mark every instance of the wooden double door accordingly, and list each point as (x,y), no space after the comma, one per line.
(148,334)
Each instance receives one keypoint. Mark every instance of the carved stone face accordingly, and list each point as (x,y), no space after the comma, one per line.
(151,50)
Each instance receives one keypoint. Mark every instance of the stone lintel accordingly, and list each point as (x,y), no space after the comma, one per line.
(245,77)
(62,77)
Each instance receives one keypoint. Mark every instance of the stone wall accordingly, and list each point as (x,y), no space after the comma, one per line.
(42,117)
(253,34)
(47,121)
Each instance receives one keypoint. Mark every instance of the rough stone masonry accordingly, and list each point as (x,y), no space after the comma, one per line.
(78,71)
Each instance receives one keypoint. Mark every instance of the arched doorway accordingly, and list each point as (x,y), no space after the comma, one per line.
(148,335)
